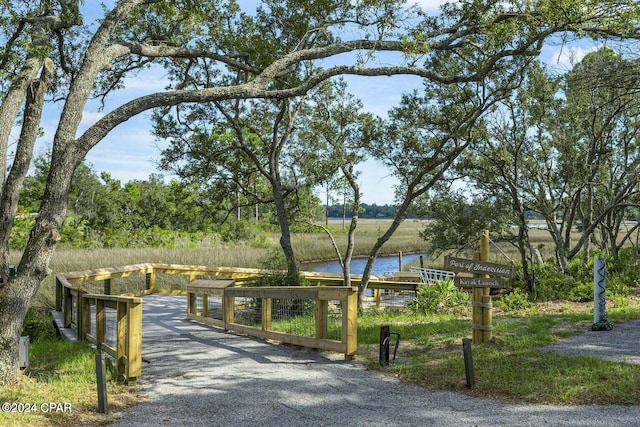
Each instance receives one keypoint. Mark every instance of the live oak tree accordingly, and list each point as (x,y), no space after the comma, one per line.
(509,162)
(341,131)
(45,48)
(598,152)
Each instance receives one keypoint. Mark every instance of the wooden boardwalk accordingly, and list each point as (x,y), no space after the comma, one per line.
(166,315)
(162,316)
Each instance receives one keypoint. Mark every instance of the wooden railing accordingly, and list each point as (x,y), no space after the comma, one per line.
(85,298)
(123,341)
(259,302)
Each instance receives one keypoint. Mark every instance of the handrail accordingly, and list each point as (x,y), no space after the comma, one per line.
(346,298)
(74,301)
(127,350)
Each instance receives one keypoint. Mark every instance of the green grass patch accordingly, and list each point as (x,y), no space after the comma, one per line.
(512,367)
(61,373)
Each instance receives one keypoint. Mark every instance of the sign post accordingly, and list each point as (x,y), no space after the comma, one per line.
(479,279)
(486,326)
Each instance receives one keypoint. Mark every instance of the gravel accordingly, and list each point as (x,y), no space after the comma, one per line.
(204,376)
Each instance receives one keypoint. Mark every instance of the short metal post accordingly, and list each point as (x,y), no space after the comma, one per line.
(468,361)
(101,376)
(385,334)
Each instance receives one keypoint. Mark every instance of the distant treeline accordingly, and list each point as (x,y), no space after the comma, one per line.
(366,211)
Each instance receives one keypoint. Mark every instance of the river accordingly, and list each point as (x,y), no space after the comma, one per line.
(383,264)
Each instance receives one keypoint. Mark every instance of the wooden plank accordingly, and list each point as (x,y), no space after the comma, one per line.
(323,344)
(121,340)
(114,298)
(207,320)
(78,277)
(211,283)
(479,267)
(266,314)
(350,325)
(394,286)
(283,292)
(328,294)
(134,341)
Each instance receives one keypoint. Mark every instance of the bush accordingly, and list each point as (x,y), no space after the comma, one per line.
(582,292)
(242,231)
(515,300)
(551,284)
(439,297)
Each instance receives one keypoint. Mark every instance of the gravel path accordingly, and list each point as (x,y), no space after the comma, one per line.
(211,378)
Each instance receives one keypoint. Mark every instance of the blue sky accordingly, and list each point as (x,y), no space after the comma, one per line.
(131,152)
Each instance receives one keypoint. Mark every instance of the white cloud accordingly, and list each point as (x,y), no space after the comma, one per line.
(90,117)
(153,81)
(565,57)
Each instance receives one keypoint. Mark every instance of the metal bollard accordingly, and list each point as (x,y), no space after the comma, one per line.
(385,338)
(468,362)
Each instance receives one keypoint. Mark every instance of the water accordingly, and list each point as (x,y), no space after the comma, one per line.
(383,264)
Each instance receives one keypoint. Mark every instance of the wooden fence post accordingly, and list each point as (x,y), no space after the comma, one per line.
(482,306)
(59,290)
(100,322)
(121,343)
(84,316)
(150,281)
(67,307)
(350,323)
(486,292)
(266,314)
(134,341)
(228,315)
(322,316)
(101,381)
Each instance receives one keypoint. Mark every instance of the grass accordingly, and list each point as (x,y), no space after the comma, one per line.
(62,373)
(512,367)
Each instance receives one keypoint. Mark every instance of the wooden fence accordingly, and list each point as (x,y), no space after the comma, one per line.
(93,306)
(315,301)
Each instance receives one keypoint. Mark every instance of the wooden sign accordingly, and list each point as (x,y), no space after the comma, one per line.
(477,282)
(478,267)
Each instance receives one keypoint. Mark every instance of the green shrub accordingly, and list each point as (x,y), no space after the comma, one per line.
(242,231)
(551,284)
(439,297)
(514,300)
(582,292)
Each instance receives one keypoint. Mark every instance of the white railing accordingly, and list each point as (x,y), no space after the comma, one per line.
(430,275)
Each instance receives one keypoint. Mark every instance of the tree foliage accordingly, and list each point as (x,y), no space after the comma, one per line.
(564,148)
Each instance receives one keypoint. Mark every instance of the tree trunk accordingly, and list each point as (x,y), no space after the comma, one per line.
(15,299)
(285,231)
(397,220)
(352,231)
